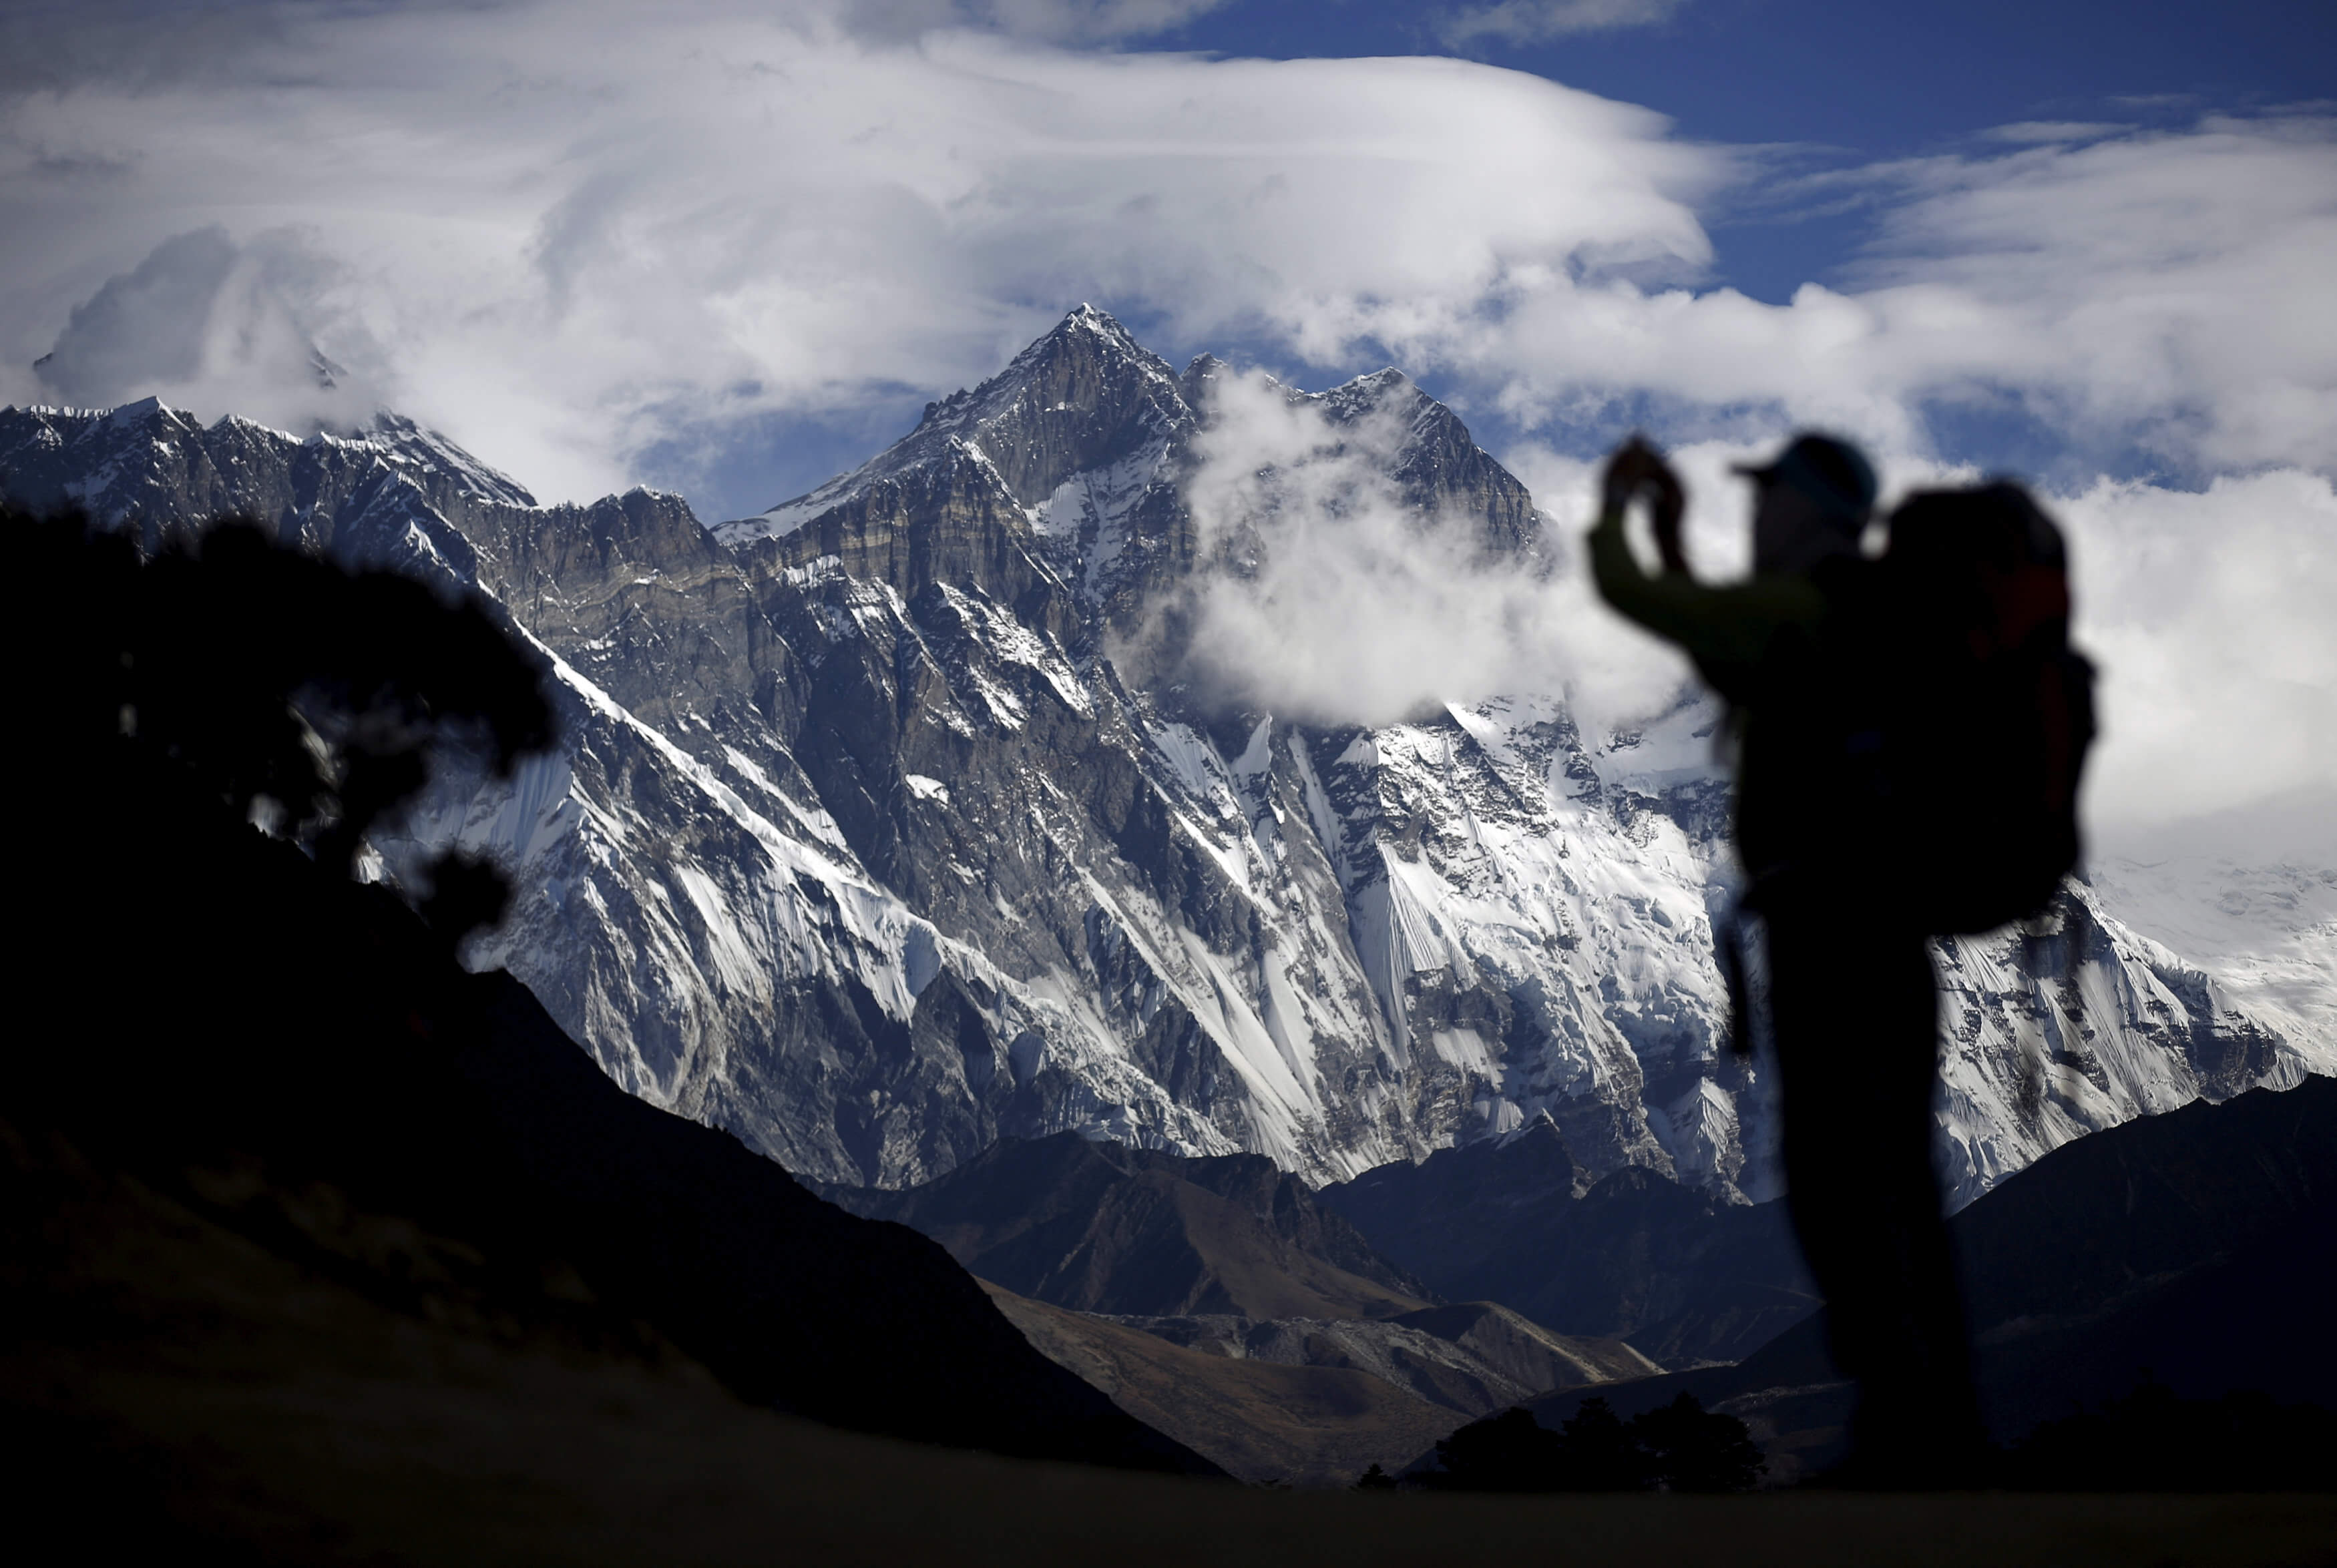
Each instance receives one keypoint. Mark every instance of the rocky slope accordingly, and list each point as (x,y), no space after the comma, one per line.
(1313,1403)
(872,842)
(1264,1299)
(1098,1227)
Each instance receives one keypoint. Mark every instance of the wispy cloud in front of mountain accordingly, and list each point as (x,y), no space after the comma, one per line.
(204,319)
(1326,597)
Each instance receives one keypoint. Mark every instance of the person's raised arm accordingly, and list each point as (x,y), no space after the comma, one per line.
(1668,605)
(1726,630)
(1638,469)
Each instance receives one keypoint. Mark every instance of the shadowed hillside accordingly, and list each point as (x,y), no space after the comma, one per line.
(1105,1228)
(2197,1249)
(1682,1273)
(250,1051)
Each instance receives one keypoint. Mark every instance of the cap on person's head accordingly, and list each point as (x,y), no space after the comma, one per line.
(1832,472)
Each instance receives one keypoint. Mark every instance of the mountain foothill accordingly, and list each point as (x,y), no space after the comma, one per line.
(789,979)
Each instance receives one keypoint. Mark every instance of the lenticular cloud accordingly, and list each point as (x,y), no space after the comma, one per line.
(568,244)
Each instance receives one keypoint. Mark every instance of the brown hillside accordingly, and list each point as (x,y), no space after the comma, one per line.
(1259,1420)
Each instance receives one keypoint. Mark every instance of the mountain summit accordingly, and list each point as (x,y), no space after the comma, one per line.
(1081,397)
(863,844)
(1089,436)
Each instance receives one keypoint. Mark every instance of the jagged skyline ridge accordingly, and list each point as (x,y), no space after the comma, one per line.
(862,848)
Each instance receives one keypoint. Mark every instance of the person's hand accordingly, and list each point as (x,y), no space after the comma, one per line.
(1638,467)
(1630,467)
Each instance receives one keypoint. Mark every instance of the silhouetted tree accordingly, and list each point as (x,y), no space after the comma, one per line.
(1374,1480)
(305,697)
(1598,1452)
(1680,1446)
(1688,1448)
(1510,1452)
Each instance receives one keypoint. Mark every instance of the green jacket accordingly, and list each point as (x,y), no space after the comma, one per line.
(1732,632)
(1778,647)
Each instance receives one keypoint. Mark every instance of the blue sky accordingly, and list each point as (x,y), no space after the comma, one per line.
(1880,81)
(730,247)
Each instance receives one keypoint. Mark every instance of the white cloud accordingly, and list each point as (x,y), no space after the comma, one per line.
(2206,611)
(572,234)
(1532,21)
(2210,615)
(2162,290)
(1327,601)
(205,320)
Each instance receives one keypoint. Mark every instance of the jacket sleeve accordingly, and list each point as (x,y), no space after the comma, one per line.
(1727,630)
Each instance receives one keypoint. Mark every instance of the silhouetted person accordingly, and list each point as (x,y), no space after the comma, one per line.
(1800,653)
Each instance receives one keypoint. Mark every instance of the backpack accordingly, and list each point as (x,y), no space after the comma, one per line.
(1969,771)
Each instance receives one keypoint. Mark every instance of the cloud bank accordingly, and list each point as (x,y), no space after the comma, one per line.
(574,234)
(571,232)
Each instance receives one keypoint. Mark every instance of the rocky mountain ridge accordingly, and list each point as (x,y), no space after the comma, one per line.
(1260,1299)
(864,844)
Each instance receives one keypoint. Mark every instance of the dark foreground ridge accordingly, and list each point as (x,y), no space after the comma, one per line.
(252,1064)
(2190,1256)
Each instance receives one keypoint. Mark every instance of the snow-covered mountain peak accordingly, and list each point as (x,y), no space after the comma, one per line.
(867,844)
(1084,395)
(422,450)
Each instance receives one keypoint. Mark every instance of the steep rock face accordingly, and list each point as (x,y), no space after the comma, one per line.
(2078,1023)
(1072,452)
(1440,471)
(385,502)
(865,845)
